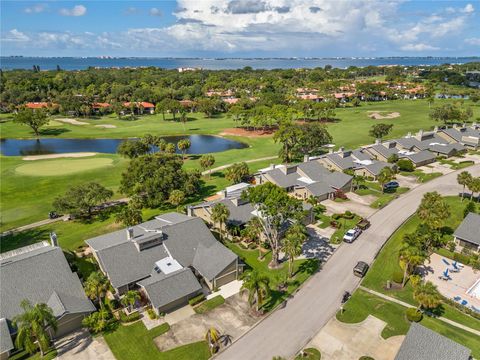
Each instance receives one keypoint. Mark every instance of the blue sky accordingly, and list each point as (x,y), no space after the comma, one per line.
(243,28)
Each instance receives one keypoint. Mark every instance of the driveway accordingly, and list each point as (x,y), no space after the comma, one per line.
(340,341)
(317,245)
(436,167)
(82,346)
(232,318)
(356,207)
(288,329)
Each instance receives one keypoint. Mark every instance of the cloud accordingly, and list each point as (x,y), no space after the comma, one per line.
(77,10)
(132,11)
(155,12)
(419,47)
(468,9)
(15,36)
(473,41)
(35,9)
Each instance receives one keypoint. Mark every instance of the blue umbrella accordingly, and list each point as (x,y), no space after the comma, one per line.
(445,273)
(446,262)
(455,265)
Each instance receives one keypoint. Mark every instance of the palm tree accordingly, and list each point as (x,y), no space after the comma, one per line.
(212,337)
(252,231)
(385,175)
(184,145)
(292,244)
(474,186)
(206,162)
(427,295)
(257,286)
(130,298)
(96,286)
(176,198)
(410,257)
(32,327)
(464,178)
(220,214)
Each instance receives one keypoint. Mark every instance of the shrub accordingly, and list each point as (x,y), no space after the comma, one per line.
(196,300)
(413,315)
(405,165)
(365,358)
(309,354)
(336,216)
(348,215)
(152,314)
(470,208)
(464,259)
(124,318)
(340,194)
(397,276)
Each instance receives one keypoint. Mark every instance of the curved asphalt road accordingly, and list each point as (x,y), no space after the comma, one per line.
(287,330)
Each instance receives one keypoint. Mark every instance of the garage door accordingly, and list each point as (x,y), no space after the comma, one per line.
(69,324)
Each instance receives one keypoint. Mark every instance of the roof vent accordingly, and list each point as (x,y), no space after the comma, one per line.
(130,233)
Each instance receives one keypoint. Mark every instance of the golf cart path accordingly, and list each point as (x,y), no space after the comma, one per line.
(290,328)
(402,303)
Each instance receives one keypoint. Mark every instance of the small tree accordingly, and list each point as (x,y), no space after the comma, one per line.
(184,145)
(427,296)
(206,162)
(98,321)
(405,165)
(170,148)
(257,287)
(474,186)
(212,337)
(385,175)
(81,199)
(433,210)
(34,119)
(176,198)
(464,178)
(132,148)
(378,131)
(130,298)
(220,214)
(129,216)
(96,287)
(392,159)
(292,244)
(32,327)
(237,172)
(470,208)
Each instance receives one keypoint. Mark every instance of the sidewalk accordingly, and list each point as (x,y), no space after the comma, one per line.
(399,302)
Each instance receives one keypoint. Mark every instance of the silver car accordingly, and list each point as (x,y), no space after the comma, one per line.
(351,235)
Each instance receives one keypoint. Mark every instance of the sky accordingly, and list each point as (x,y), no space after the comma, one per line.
(240,28)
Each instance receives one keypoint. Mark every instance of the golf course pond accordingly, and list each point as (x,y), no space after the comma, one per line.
(200,144)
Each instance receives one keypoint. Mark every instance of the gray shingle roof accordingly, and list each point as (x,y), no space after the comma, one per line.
(239,214)
(361,155)
(342,162)
(319,189)
(377,166)
(420,156)
(469,229)
(41,275)
(164,289)
(422,343)
(384,151)
(124,264)
(279,178)
(6,343)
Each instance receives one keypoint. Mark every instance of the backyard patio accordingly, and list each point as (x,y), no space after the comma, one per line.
(461,285)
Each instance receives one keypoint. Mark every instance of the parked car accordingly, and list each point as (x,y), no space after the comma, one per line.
(53,215)
(351,235)
(363,224)
(391,185)
(360,269)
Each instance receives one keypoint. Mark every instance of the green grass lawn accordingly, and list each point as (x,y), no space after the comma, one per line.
(362,304)
(386,264)
(303,269)
(422,176)
(344,226)
(209,304)
(23,355)
(457,166)
(135,342)
(386,197)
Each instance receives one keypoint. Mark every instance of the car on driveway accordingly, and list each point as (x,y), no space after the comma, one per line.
(360,269)
(391,185)
(352,234)
(363,224)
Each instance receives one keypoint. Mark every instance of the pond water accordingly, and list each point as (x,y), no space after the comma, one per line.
(201,144)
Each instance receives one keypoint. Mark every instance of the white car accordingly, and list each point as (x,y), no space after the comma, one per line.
(351,235)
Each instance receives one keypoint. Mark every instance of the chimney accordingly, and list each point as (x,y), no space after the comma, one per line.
(378,141)
(53,239)
(223,194)
(342,149)
(306,158)
(409,135)
(129,233)
(272,166)
(435,129)
(330,151)
(190,210)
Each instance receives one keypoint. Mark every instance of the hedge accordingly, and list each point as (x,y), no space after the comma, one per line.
(124,318)
(196,300)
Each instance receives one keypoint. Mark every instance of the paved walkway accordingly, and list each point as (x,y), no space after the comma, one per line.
(319,298)
(340,341)
(399,302)
(247,161)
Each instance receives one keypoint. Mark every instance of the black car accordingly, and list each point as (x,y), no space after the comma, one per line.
(53,215)
(360,269)
(391,185)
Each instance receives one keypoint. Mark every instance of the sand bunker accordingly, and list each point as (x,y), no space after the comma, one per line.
(72,121)
(57,156)
(106,126)
(247,133)
(377,115)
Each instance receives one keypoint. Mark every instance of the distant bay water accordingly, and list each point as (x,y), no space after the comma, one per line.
(75,63)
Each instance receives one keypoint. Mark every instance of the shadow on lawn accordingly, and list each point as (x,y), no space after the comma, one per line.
(53,132)
(23,238)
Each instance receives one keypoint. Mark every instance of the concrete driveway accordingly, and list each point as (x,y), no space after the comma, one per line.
(359,208)
(82,346)
(288,329)
(340,341)
(317,246)
(232,318)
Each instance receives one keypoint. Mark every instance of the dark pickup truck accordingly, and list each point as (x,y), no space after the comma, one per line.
(363,224)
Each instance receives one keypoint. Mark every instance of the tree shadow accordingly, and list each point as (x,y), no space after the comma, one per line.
(23,238)
(53,132)
(310,267)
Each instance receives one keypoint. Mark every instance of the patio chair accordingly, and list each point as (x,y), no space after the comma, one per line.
(445,261)
(457,298)
(454,270)
(457,266)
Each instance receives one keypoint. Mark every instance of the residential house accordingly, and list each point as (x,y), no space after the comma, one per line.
(383,151)
(39,105)
(431,141)
(168,258)
(308,94)
(99,107)
(307,179)
(40,273)
(361,162)
(421,343)
(141,107)
(468,136)
(467,235)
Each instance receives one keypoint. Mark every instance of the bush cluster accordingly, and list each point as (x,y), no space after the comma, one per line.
(413,315)
(124,318)
(196,300)
(397,276)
